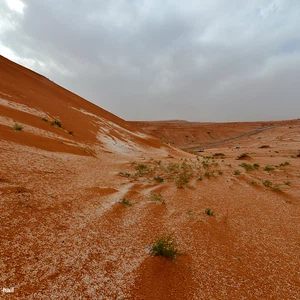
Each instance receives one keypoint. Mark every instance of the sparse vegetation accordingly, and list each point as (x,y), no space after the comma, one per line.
(269,168)
(220,172)
(18,127)
(256,166)
(284,164)
(158,179)
(253,182)
(126,202)
(56,122)
(124,174)
(183,180)
(236,172)
(44,119)
(165,246)
(276,188)
(158,198)
(247,167)
(267,183)
(288,183)
(209,212)
(70,132)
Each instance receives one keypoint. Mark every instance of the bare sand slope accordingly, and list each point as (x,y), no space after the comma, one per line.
(65,234)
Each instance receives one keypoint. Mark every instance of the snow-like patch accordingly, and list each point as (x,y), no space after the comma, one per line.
(22,107)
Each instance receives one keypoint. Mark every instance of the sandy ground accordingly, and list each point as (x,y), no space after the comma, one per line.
(65,234)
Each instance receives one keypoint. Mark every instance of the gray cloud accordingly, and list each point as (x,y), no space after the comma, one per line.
(209,61)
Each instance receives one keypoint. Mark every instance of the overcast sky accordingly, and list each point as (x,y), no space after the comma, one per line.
(209,60)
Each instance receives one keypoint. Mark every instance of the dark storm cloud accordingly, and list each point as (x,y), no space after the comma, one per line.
(204,61)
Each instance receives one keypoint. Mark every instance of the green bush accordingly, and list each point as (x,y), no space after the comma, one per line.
(18,127)
(165,246)
(209,212)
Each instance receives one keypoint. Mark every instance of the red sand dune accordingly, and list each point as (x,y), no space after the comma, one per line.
(66,235)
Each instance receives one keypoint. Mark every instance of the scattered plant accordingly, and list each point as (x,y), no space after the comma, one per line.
(288,183)
(56,122)
(158,179)
(209,212)
(247,167)
(157,198)
(269,168)
(267,183)
(236,172)
(18,127)
(165,246)
(284,164)
(126,202)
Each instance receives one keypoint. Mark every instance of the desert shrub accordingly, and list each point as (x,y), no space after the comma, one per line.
(220,172)
(18,127)
(269,168)
(44,119)
(288,183)
(126,202)
(157,198)
(247,167)
(236,172)
(284,164)
(205,164)
(256,166)
(267,183)
(165,246)
(70,132)
(276,188)
(158,179)
(209,212)
(124,174)
(56,122)
(252,182)
(183,179)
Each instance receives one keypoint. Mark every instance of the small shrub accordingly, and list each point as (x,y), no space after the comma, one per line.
(157,198)
(205,164)
(208,174)
(18,127)
(200,178)
(288,183)
(158,179)
(209,212)
(267,183)
(252,182)
(269,168)
(56,122)
(284,164)
(220,172)
(44,119)
(126,202)
(247,167)
(183,180)
(276,188)
(236,172)
(165,246)
(124,174)
(70,132)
